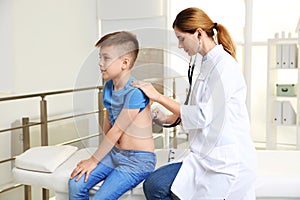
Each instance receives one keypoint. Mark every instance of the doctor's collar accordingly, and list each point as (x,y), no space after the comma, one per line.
(212,52)
(204,58)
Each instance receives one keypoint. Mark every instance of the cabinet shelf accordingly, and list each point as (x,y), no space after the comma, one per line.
(283,97)
(283,41)
(285,125)
(277,68)
(282,111)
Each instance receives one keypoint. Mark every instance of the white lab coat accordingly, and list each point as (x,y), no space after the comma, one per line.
(222,161)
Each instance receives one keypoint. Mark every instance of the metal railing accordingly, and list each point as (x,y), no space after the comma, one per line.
(43,123)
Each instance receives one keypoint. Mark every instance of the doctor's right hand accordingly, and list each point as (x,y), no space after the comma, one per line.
(158,116)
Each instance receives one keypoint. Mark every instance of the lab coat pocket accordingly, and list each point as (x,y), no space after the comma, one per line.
(220,172)
(225,159)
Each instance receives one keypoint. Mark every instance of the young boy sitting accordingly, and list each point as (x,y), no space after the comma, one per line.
(126,156)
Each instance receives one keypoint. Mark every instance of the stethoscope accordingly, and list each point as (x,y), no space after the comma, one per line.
(190,78)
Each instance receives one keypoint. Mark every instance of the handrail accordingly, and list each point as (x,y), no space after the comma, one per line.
(47,93)
(72,116)
(43,94)
(19,127)
(167,78)
(7,160)
(10,188)
(78,139)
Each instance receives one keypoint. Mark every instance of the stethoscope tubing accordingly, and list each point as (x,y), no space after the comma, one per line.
(190,78)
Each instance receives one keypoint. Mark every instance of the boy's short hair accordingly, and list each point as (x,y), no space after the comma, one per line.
(126,41)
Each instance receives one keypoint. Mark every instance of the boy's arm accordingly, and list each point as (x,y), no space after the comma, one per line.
(106,125)
(123,121)
(125,118)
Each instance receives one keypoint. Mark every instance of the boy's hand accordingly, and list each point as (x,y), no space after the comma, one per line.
(84,167)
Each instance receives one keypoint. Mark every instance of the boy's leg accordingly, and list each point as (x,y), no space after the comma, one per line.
(158,184)
(117,183)
(133,168)
(79,190)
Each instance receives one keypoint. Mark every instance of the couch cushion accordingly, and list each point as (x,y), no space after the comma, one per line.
(58,180)
(44,158)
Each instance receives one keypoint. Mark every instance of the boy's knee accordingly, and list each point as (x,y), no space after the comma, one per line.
(72,183)
(76,188)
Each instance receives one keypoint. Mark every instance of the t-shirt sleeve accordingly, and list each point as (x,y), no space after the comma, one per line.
(106,96)
(136,99)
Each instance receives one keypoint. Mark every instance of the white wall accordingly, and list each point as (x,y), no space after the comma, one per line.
(6,74)
(6,41)
(130,9)
(51,39)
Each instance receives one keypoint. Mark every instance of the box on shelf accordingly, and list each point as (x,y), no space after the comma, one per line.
(286,90)
(288,113)
(277,115)
(284,113)
(286,56)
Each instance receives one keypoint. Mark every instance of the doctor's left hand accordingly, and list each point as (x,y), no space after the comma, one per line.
(84,167)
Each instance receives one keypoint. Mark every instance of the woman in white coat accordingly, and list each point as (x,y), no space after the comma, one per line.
(222,160)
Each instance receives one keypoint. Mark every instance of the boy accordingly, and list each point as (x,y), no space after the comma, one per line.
(125,156)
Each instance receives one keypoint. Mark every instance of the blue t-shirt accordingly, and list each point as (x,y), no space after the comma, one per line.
(127,97)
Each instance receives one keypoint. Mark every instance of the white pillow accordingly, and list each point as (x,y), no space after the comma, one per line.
(44,158)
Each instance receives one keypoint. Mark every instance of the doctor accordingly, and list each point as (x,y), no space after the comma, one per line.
(222,160)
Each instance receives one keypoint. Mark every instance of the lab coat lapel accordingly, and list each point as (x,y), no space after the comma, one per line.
(201,81)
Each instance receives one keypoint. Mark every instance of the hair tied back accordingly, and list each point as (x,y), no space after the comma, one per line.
(215,31)
(215,26)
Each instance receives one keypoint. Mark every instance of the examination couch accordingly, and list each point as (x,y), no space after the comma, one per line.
(50,167)
(278,173)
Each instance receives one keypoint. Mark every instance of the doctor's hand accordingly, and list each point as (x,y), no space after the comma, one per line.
(158,116)
(84,167)
(148,89)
